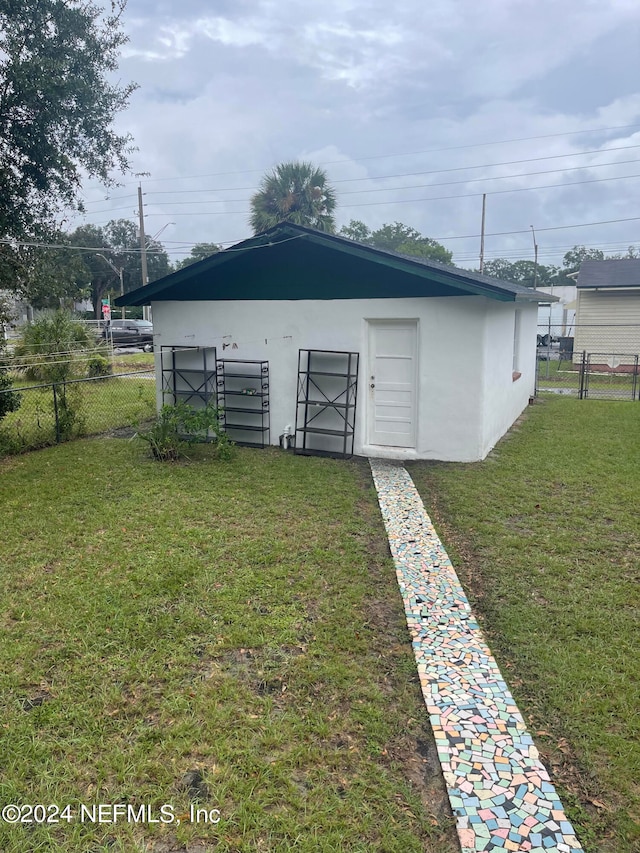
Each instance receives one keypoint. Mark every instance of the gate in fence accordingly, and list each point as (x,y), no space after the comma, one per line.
(609,376)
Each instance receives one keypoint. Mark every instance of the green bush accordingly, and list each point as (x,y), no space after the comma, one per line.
(97,366)
(9,400)
(71,421)
(180,426)
(50,346)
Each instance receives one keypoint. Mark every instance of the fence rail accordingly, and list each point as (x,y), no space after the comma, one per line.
(60,411)
(606,368)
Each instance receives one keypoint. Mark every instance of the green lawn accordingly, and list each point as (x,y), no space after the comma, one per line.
(240,620)
(545,534)
(124,361)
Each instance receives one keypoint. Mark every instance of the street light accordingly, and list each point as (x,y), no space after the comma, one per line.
(146,310)
(158,233)
(119,272)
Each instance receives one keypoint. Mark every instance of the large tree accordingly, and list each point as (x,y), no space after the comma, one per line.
(58,101)
(43,272)
(522,272)
(116,245)
(573,259)
(400,238)
(199,252)
(294,192)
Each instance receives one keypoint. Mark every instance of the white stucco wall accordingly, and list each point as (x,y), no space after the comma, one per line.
(505,397)
(460,407)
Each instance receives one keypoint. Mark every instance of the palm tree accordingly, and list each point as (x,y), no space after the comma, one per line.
(294,192)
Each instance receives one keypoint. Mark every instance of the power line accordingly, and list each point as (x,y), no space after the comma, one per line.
(406,153)
(493,178)
(34,245)
(406,187)
(410,174)
(411,200)
(110,198)
(549,228)
(110,209)
(479,144)
(489,192)
(130,251)
(487,165)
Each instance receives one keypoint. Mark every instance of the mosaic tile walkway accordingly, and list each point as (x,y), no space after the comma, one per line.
(499,790)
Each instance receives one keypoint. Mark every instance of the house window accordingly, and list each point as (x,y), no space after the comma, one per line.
(516,374)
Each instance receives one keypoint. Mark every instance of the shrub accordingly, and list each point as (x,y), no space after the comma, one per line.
(97,366)
(9,400)
(50,345)
(180,426)
(71,422)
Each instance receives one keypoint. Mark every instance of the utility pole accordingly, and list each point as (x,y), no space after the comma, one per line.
(535,258)
(484,208)
(143,239)
(143,247)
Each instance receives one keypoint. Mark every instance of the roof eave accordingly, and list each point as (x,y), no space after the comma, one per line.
(536,296)
(144,295)
(451,278)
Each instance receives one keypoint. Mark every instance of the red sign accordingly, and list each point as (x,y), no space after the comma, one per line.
(106,311)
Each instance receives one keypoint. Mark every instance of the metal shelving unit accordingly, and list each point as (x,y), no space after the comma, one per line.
(188,375)
(243,392)
(326,403)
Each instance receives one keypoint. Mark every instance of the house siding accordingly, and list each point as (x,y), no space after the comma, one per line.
(607,322)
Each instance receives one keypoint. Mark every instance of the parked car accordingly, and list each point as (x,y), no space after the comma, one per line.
(130,333)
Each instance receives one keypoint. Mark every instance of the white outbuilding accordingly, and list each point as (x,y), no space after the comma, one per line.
(315,341)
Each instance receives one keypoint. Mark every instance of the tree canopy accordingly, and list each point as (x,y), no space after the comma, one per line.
(198,253)
(118,243)
(397,237)
(57,106)
(525,273)
(294,192)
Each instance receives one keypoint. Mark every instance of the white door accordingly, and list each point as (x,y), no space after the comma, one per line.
(391,381)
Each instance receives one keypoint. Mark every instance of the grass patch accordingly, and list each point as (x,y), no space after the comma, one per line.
(125,361)
(544,534)
(565,375)
(102,405)
(230,633)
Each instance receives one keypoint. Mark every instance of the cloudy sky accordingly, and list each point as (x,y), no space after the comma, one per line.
(414,109)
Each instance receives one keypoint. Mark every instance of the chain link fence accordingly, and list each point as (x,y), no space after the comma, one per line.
(594,361)
(61,411)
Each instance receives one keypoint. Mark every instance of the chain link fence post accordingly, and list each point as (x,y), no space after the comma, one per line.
(55,411)
(583,373)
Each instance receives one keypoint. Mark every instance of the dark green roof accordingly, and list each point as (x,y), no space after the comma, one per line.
(294,262)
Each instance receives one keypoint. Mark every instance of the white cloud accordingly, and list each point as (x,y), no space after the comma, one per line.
(263,81)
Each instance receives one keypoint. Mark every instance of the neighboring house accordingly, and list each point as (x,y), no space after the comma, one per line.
(608,310)
(447,357)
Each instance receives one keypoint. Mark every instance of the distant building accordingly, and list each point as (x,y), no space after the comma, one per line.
(608,309)
(558,319)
